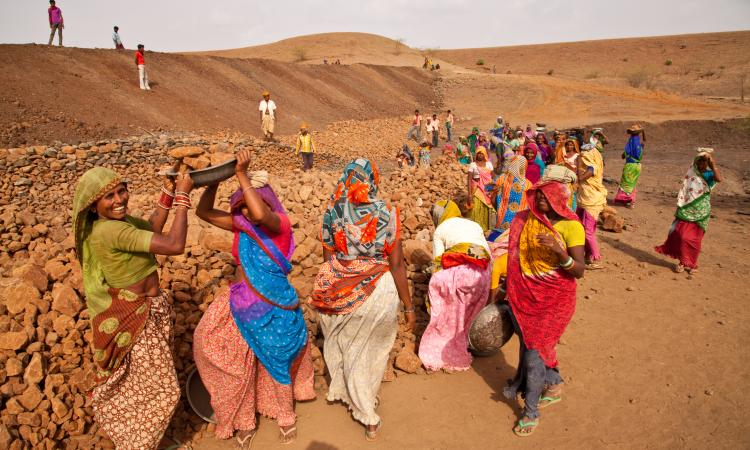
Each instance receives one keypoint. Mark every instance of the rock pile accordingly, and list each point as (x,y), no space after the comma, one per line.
(45,358)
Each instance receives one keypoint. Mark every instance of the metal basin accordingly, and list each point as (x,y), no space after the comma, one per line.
(491,329)
(198,397)
(210,175)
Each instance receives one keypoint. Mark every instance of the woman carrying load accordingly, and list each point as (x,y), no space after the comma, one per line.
(137,389)
(631,171)
(480,185)
(251,346)
(693,212)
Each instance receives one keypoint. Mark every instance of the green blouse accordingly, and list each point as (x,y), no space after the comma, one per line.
(122,249)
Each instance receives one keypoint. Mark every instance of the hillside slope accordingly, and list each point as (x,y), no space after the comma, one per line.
(51,93)
(709,64)
(349,48)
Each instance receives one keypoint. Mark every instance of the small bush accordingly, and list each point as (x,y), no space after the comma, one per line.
(668,62)
(480,62)
(591,75)
(551,71)
(300,54)
(640,77)
(624,59)
(722,67)
(398,45)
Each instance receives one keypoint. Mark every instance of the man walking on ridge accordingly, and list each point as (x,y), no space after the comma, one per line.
(415,131)
(267,110)
(55,22)
(141,64)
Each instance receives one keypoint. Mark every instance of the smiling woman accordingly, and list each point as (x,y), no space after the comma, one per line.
(137,389)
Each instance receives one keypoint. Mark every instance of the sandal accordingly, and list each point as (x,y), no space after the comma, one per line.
(594,266)
(372,435)
(550,398)
(288,436)
(679,268)
(245,443)
(691,271)
(524,429)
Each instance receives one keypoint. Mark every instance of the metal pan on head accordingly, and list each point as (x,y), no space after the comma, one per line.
(210,175)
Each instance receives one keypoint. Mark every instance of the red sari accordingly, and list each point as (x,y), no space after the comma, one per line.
(541,294)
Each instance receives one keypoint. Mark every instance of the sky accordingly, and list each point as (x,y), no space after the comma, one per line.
(187,25)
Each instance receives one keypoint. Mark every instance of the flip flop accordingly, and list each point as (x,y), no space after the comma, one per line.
(679,268)
(284,434)
(373,435)
(531,426)
(594,266)
(546,401)
(247,442)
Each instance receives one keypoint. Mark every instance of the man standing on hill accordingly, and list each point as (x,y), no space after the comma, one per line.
(55,22)
(415,131)
(449,125)
(434,127)
(141,64)
(116,39)
(267,110)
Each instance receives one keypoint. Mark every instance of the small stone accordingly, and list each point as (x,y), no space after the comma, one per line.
(59,408)
(13,367)
(65,300)
(31,397)
(35,370)
(709,392)
(182,152)
(19,294)
(629,289)
(408,362)
(13,340)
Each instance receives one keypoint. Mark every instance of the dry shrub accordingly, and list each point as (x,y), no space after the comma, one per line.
(300,54)
(641,77)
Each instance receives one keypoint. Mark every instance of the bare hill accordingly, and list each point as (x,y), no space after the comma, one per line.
(349,48)
(709,64)
(66,94)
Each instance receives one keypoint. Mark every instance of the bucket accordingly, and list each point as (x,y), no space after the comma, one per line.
(490,330)
(198,397)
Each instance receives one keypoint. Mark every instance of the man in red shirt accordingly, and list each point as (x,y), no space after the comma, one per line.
(141,64)
(415,131)
(55,22)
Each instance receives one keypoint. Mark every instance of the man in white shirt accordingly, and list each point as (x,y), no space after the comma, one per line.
(434,128)
(267,111)
(116,39)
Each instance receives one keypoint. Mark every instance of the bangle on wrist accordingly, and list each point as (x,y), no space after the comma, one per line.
(568,263)
(167,191)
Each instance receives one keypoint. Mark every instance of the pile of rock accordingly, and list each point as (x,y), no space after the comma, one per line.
(45,359)
(609,220)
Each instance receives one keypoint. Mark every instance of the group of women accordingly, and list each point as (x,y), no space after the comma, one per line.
(252,348)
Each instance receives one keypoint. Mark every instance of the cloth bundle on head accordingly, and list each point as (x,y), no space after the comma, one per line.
(483,151)
(444,210)
(704,151)
(559,173)
(259,182)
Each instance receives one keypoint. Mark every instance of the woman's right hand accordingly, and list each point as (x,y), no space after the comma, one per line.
(411,320)
(243,161)
(184,183)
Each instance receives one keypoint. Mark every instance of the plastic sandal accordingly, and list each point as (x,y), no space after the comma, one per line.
(284,434)
(530,426)
(247,442)
(546,401)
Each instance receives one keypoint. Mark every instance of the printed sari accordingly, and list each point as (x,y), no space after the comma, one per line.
(631,171)
(509,194)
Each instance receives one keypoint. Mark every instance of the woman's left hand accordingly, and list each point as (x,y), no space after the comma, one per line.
(547,240)
(243,161)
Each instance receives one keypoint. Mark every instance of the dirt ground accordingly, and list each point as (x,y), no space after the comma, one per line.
(652,359)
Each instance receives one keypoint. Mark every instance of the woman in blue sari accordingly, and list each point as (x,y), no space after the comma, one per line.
(251,346)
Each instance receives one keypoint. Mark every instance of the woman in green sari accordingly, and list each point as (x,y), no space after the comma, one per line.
(137,389)
(631,171)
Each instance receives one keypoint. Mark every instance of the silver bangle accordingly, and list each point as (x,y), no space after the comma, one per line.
(569,263)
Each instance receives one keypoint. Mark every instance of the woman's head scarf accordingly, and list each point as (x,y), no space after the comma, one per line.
(357,223)
(90,188)
(444,210)
(483,151)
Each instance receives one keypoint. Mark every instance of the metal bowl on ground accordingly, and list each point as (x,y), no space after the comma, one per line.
(198,397)
(210,175)
(491,329)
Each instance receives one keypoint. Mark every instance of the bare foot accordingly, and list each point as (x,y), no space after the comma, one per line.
(679,268)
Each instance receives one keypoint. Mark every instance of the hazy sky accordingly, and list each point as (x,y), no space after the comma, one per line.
(186,25)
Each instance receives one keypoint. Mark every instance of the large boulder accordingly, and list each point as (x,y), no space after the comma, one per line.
(417,252)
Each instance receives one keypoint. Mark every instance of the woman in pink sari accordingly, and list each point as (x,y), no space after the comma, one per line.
(458,289)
